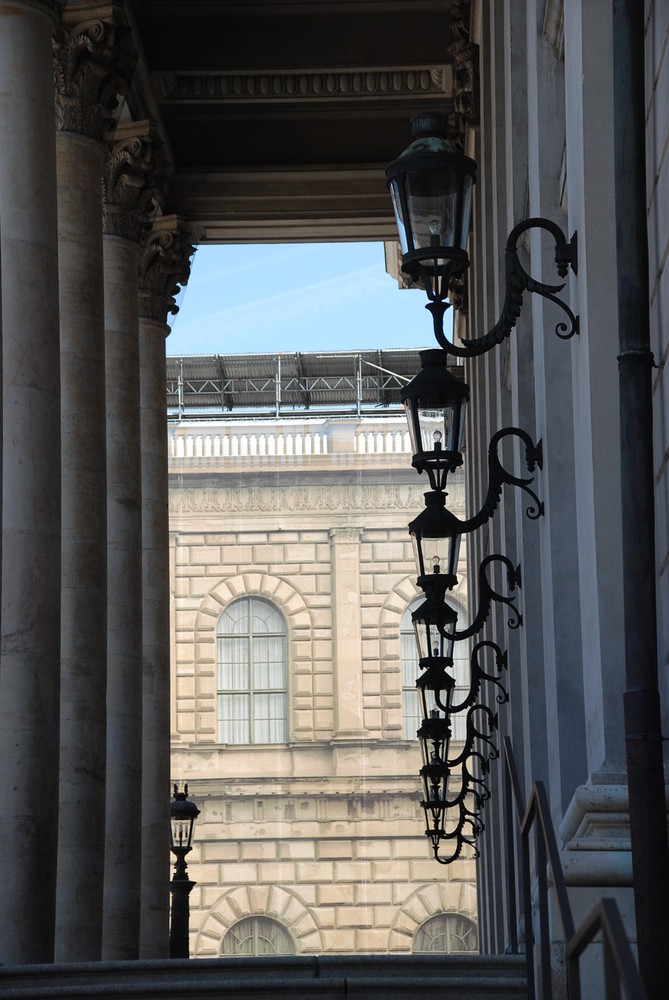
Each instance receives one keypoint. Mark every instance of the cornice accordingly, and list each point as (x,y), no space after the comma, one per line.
(391,82)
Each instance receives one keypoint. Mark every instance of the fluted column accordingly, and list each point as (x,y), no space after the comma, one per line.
(128,196)
(165,265)
(86,57)
(29,669)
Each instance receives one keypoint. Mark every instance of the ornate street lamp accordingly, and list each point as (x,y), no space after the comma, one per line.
(435,401)
(431,186)
(183,813)
(434,624)
(435,535)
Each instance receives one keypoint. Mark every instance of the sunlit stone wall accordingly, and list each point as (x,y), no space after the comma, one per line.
(323,833)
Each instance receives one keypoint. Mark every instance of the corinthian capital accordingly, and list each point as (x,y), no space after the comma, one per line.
(93,63)
(164,266)
(132,181)
(464,55)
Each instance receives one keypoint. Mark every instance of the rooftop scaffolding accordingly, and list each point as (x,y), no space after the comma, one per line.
(257,385)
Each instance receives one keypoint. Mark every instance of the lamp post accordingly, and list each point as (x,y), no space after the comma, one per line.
(183,813)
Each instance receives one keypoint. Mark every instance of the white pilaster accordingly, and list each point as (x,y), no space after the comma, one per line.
(347,630)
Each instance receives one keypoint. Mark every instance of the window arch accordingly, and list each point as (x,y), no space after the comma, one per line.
(446,934)
(252,673)
(411,670)
(257,936)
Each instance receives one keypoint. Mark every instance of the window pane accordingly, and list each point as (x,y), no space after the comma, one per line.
(234,620)
(410,669)
(265,619)
(412,719)
(269,718)
(258,936)
(233,667)
(446,933)
(268,662)
(233,716)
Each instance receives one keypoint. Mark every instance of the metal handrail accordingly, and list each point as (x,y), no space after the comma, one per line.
(620,967)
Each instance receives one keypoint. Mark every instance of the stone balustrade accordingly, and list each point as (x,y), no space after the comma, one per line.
(226,440)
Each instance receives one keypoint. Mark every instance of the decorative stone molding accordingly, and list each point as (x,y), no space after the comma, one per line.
(132,181)
(212,500)
(596,836)
(320,85)
(265,901)
(288,600)
(93,63)
(464,55)
(428,901)
(165,265)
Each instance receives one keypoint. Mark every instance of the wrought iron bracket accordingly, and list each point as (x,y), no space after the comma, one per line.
(498,476)
(478,675)
(517,282)
(488,594)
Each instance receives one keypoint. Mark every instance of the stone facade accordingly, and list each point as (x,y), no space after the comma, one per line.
(323,832)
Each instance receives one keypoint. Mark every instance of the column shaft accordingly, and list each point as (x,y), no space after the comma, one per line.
(29,674)
(124,607)
(156,644)
(84,548)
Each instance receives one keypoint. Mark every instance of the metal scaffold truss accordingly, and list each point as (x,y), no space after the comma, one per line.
(253,385)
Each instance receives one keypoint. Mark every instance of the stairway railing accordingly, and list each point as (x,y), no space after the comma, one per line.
(620,968)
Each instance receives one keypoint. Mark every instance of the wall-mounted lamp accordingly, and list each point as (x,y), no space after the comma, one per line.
(431,185)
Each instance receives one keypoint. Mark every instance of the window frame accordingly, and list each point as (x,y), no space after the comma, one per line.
(255,920)
(251,690)
(445,924)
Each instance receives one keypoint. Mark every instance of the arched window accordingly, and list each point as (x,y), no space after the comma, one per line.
(411,670)
(252,673)
(446,934)
(257,936)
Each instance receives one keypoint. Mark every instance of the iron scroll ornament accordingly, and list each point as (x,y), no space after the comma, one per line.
(488,594)
(437,471)
(517,281)
(469,800)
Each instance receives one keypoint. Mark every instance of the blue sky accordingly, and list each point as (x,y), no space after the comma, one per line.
(296,297)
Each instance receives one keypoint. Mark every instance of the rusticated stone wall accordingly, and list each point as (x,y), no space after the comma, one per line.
(323,833)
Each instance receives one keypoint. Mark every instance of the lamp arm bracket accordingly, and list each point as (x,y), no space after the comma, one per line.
(479,675)
(498,476)
(481,725)
(517,282)
(467,828)
(487,594)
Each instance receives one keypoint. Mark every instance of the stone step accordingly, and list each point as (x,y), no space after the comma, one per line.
(362,977)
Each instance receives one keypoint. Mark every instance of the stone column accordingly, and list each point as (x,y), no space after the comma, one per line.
(128,196)
(164,266)
(86,55)
(347,630)
(29,672)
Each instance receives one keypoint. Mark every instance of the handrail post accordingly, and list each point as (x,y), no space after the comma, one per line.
(544,921)
(510,901)
(527,916)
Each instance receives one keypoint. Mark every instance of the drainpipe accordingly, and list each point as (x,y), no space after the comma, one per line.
(643,733)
